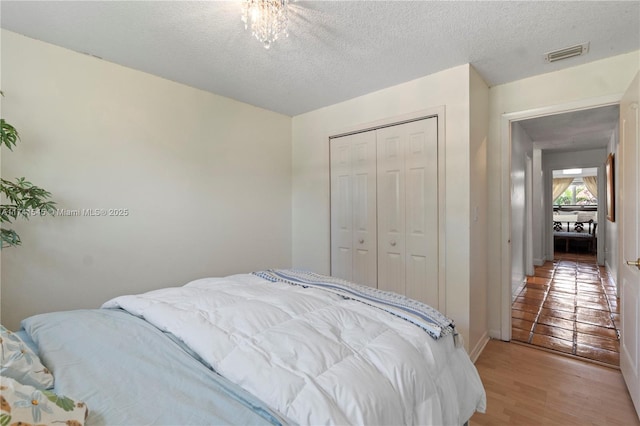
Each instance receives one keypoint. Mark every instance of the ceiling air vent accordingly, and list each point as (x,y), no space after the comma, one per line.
(567,52)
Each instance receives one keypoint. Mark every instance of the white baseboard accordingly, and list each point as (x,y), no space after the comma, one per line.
(495,334)
(538,262)
(477,350)
(518,289)
(611,276)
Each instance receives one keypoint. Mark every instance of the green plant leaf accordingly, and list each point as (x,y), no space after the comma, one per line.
(5,419)
(67,404)
(8,134)
(9,237)
(23,199)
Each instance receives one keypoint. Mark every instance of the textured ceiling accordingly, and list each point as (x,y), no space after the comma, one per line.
(577,130)
(336,50)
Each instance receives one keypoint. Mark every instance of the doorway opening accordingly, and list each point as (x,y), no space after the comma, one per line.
(561,296)
(575,210)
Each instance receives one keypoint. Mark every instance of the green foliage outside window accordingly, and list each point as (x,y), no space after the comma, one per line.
(576,194)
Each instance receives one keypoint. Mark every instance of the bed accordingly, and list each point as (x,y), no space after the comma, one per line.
(270,347)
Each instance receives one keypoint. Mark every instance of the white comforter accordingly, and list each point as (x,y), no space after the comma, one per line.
(314,356)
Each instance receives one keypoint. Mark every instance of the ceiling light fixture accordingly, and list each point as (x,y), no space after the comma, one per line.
(268,19)
(572,171)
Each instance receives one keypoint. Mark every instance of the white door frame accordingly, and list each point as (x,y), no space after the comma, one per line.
(528,221)
(505,188)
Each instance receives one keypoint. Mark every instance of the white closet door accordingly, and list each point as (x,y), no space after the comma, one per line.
(353,208)
(408,209)
(391,209)
(341,209)
(421,162)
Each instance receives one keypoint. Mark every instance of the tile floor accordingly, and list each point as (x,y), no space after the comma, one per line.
(570,307)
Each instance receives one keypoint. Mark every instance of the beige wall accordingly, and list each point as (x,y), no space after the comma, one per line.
(479,133)
(590,81)
(209,195)
(206,181)
(311,209)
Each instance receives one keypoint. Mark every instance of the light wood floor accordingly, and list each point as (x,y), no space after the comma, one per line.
(529,386)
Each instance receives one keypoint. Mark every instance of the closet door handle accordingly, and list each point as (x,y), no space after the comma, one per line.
(393,243)
(361,241)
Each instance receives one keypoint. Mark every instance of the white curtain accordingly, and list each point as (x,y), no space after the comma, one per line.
(591,182)
(560,185)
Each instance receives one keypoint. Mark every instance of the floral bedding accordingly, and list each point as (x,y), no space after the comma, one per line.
(25,388)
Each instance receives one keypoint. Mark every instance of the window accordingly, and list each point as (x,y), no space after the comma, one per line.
(577,194)
(575,187)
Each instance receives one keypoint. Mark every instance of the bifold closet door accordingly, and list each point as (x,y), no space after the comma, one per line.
(353,208)
(407,191)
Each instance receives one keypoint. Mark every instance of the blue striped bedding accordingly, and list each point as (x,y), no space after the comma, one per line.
(424,316)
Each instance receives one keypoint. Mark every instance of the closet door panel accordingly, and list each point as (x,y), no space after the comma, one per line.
(391,210)
(391,272)
(421,162)
(341,209)
(353,208)
(408,210)
(364,241)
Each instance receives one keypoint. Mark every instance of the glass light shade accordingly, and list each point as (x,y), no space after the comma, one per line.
(267,19)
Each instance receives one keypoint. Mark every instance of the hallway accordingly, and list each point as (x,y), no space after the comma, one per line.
(569,306)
